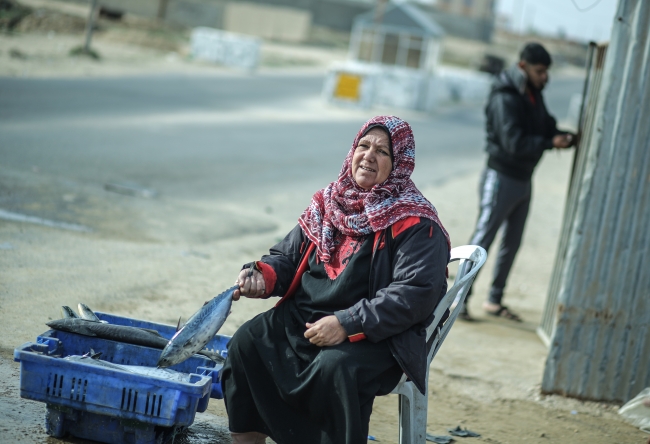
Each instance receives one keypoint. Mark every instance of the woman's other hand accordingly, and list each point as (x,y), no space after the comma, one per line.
(325,332)
(249,286)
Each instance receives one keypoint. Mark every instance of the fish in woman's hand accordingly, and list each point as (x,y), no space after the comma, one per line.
(198,330)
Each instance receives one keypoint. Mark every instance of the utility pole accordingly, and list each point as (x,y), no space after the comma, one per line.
(162,9)
(90,24)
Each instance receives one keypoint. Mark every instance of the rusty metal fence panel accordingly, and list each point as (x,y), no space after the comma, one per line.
(591,93)
(599,346)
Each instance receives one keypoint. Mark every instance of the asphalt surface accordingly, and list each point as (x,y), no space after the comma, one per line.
(205,137)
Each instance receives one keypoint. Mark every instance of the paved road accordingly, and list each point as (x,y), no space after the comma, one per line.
(201,136)
(220,150)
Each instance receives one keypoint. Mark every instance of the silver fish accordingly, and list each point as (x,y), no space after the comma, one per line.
(70,313)
(94,360)
(67,312)
(119,333)
(87,313)
(163,373)
(198,330)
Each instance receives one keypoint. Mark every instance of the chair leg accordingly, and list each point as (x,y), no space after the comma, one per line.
(420,406)
(405,420)
(412,415)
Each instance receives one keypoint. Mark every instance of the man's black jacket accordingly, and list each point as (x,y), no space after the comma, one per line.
(519,128)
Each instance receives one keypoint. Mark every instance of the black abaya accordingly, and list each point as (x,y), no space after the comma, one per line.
(276,382)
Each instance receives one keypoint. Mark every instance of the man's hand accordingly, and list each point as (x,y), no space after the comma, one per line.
(249,286)
(563,140)
(325,332)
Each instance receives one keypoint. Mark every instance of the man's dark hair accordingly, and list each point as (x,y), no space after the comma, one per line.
(535,54)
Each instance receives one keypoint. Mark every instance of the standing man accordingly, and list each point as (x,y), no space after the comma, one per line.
(519,130)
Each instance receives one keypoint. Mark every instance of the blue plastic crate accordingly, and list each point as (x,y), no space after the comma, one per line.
(83,399)
(61,421)
(197,364)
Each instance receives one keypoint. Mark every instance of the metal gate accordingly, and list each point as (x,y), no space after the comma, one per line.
(590,95)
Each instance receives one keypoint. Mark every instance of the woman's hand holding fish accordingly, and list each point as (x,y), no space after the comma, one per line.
(250,286)
(325,332)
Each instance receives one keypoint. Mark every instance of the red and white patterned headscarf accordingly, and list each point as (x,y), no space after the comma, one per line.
(343,206)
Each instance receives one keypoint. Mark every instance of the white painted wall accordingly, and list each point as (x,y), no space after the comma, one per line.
(267,21)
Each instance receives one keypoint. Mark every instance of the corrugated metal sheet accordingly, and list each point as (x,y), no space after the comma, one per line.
(590,98)
(599,348)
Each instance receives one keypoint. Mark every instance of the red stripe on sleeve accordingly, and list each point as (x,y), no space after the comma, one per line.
(400,226)
(357,337)
(268,273)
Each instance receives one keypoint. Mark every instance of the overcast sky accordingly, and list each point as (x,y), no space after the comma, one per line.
(549,16)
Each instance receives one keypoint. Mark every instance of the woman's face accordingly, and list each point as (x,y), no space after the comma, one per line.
(371,162)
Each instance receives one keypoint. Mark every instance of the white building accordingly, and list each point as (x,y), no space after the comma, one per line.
(393,62)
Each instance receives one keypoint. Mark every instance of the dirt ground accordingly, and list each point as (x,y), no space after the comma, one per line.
(486,377)
(40,45)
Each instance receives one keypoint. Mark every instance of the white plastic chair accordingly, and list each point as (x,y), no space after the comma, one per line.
(412,404)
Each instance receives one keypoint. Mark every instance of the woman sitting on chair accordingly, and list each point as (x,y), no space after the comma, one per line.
(360,276)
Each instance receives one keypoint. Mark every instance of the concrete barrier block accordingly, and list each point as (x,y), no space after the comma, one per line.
(457,85)
(400,88)
(351,84)
(225,48)
(365,85)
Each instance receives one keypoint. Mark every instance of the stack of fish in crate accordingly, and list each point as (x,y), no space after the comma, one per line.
(112,391)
